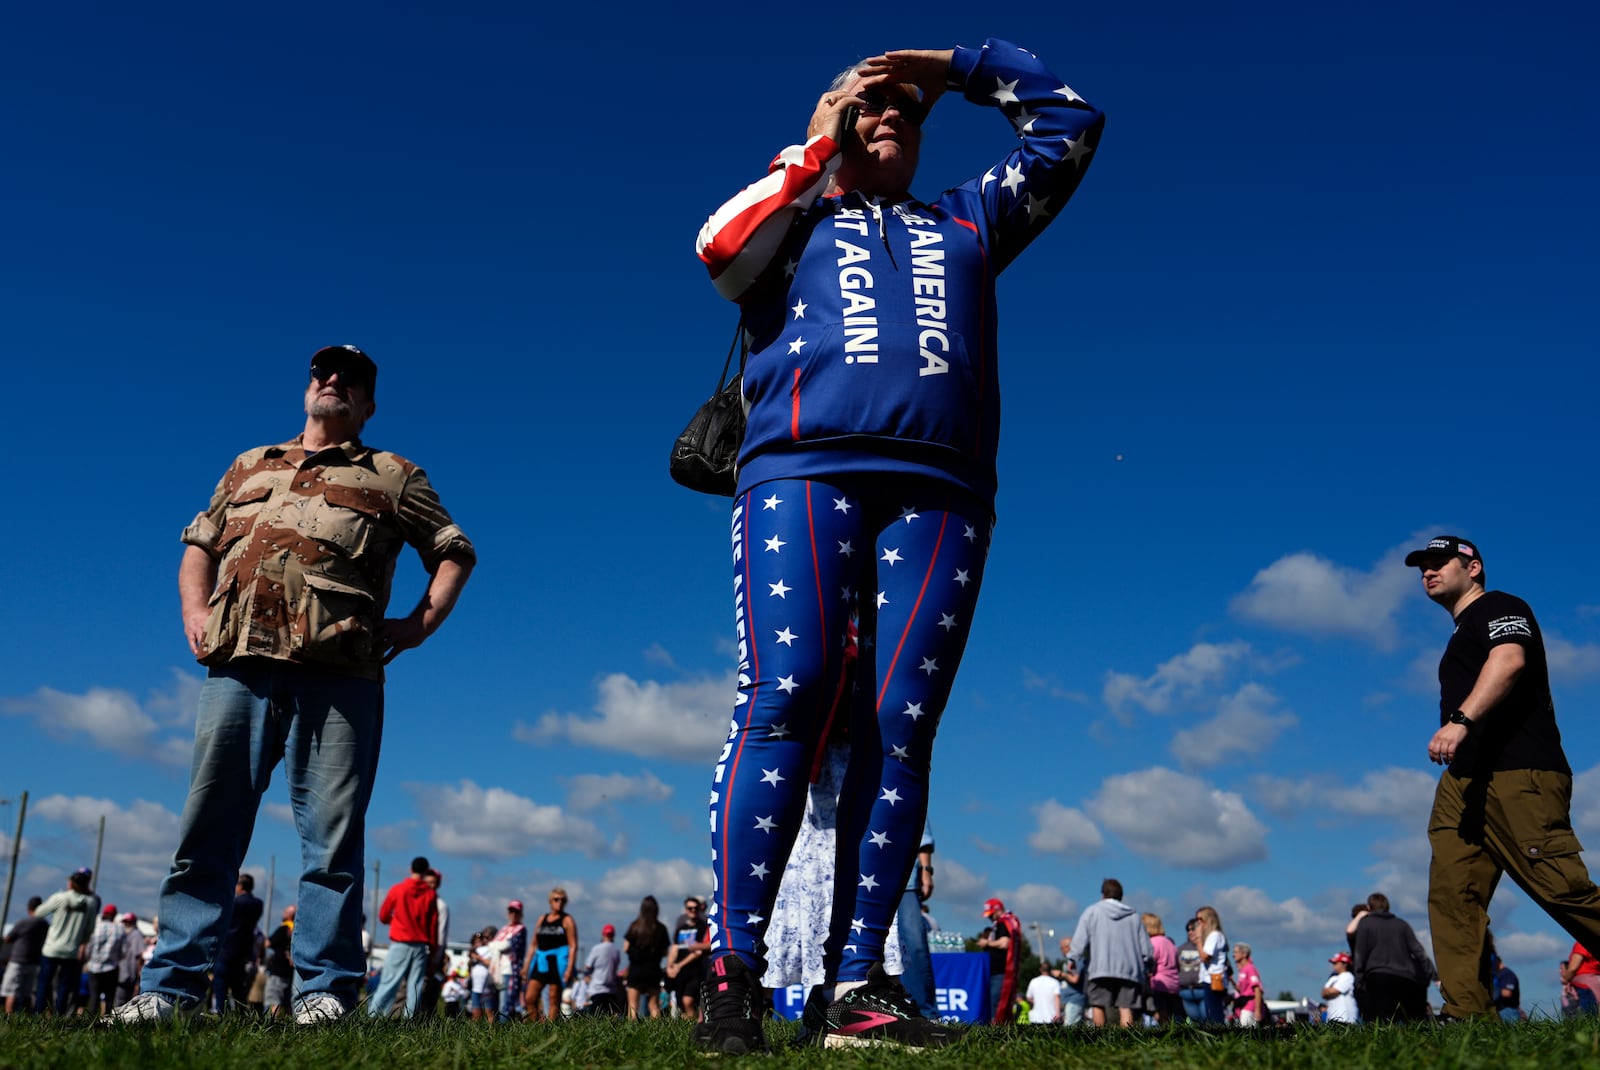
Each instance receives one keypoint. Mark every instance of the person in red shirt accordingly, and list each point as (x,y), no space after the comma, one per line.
(411,910)
(1582,968)
(1004,944)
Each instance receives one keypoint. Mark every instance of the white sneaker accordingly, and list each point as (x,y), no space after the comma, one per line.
(320,1009)
(149,1008)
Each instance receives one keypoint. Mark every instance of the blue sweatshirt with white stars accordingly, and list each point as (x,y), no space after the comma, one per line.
(873,321)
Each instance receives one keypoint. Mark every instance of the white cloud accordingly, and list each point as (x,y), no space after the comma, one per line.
(1242,727)
(1525,947)
(139,842)
(1064,830)
(1311,595)
(687,720)
(1050,686)
(112,719)
(1401,871)
(590,791)
(493,823)
(1179,820)
(1586,802)
(282,813)
(617,893)
(1569,660)
(1251,915)
(1403,795)
(958,894)
(1286,796)
(1044,905)
(1176,682)
(1394,793)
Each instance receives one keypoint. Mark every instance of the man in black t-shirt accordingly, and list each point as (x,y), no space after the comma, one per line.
(1504,801)
(686,958)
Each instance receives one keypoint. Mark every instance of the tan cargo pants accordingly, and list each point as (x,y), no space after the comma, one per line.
(1517,822)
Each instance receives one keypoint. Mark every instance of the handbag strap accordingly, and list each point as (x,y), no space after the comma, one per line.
(742,344)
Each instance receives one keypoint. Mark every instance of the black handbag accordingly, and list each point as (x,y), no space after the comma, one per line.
(706,454)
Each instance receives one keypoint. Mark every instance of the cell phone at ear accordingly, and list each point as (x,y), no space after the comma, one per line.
(847,122)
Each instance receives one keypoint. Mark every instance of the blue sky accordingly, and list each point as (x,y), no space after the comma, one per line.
(1328,289)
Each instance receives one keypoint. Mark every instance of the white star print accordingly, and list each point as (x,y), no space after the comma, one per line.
(1038,207)
(913,710)
(771,776)
(780,589)
(962,577)
(786,637)
(800,311)
(970,535)
(1076,151)
(930,666)
(766,824)
(796,345)
(909,514)
(759,870)
(857,924)
(846,549)
(754,919)
(891,555)
(946,621)
(890,796)
(787,685)
(772,502)
(840,505)
(880,839)
(775,545)
(868,881)
(1025,120)
(1005,92)
(714,797)
(846,593)
(1066,91)
(779,730)
(988,177)
(883,599)
(899,752)
(1013,178)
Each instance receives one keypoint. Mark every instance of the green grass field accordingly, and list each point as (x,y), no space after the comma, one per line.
(32,1044)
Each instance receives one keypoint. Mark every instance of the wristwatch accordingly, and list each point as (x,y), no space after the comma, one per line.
(1463,720)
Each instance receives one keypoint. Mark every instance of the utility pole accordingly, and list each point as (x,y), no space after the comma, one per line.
(372,919)
(16,848)
(272,870)
(100,842)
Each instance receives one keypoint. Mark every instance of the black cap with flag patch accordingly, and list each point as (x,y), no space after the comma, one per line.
(1443,546)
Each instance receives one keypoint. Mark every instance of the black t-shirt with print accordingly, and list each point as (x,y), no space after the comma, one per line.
(1520,732)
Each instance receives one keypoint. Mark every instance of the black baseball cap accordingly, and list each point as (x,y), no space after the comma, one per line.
(349,360)
(1443,546)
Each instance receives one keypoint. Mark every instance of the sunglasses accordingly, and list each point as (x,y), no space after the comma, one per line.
(876,102)
(323,372)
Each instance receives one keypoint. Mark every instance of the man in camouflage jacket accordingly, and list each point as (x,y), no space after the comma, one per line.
(284,583)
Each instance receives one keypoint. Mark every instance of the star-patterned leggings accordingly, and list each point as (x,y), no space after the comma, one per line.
(853,599)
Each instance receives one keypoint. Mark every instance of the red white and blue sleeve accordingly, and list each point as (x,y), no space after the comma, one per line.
(738,243)
(1058,130)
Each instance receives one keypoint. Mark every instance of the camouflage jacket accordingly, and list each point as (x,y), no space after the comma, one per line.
(307,546)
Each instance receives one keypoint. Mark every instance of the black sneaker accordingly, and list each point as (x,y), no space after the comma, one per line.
(881,1013)
(813,1020)
(732,999)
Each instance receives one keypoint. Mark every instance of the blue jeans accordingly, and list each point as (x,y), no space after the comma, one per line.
(916,962)
(326,728)
(63,976)
(1194,1001)
(405,962)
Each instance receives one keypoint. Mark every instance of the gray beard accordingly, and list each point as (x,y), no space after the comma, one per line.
(321,406)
